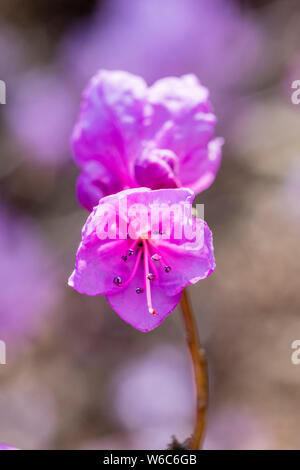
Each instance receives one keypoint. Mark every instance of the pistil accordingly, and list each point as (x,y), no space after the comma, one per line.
(147,278)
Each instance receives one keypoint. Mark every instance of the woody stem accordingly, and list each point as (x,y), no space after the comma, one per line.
(199,368)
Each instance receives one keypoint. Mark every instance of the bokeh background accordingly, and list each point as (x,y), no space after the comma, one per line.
(77,377)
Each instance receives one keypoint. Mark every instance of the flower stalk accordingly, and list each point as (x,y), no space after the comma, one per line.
(199,369)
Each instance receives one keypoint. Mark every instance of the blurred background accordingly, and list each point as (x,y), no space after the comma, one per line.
(77,377)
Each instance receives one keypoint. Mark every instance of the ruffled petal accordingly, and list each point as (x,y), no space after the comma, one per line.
(173,97)
(97,265)
(157,168)
(199,168)
(93,183)
(132,307)
(187,133)
(111,122)
(189,261)
(184,123)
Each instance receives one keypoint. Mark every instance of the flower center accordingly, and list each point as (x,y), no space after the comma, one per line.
(147,251)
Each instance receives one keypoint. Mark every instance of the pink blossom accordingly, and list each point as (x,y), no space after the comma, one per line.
(26,261)
(222,43)
(142,275)
(38,95)
(129,135)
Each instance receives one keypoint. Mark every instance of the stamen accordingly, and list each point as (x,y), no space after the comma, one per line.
(147,281)
(135,267)
(133,245)
(139,290)
(153,267)
(158,256)
(117,280)
(151,276)
(155,257)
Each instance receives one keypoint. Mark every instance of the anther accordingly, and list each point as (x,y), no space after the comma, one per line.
(155,257)
(124,258)
(130,252)
(139,290)
(167,269)
(151,276)
(117,280)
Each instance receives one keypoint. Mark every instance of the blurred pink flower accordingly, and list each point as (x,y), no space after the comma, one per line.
(236,428)
(28,284)
(142,278)
(40,114)
(216,40)
(152,398)
(165,368)
(129,135)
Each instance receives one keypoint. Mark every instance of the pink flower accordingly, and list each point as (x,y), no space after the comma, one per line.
(53,97)
(26,261)
(142,271)
(129,135)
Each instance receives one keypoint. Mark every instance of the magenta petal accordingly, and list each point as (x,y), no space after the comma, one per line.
(187,133)
(172,97)
(93,183)
(88,192)
(186,127)
(189,262)
(161,164)
(111,121)
(97,264)
(199,169)
(132,307)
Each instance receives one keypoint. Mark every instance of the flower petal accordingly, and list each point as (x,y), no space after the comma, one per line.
(111,122)
(190,261)
(132,307)
(161,164)
(97,264)
(185,125)
(172,97)
(198,169)
(93,183)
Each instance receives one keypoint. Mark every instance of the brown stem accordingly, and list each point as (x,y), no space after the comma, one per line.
(199,367)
